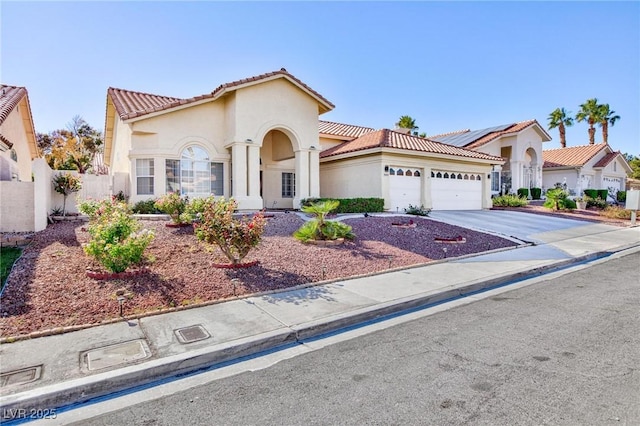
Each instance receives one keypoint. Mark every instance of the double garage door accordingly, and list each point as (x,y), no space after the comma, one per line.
(450,190)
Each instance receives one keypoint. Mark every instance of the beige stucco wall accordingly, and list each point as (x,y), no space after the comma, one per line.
(13,129)
(16,209)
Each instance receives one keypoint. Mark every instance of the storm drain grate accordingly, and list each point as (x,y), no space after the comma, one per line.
(20,377)
(191,334)
(113,355)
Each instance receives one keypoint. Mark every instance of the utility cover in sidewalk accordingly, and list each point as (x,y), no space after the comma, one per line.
(191,334)
(20,377)
(113,355)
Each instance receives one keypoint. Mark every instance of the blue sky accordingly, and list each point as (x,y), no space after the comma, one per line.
(449,65)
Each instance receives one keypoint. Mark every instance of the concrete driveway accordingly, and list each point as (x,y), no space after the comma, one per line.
(522,226)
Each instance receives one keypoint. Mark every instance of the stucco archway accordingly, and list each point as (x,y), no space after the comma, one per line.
(278,169)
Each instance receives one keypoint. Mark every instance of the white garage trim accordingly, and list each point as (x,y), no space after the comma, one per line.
(453,190)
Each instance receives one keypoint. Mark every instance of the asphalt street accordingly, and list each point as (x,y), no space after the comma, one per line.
(563,351)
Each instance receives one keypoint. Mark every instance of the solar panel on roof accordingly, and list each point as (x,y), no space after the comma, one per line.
(464,139)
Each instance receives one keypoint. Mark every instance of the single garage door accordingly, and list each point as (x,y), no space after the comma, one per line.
(405,187)
(456,190)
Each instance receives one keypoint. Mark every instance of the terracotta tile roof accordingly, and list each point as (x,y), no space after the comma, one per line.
(10,96)
(131,104)
(571,156)
(6,142)
(386,138)
(343,130)
(606,159)
(515,128)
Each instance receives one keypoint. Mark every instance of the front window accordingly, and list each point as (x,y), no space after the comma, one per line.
(288,185)
(495,181)
(144,176)
(194,175)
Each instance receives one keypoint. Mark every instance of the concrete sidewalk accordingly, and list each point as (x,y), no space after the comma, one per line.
(50,372)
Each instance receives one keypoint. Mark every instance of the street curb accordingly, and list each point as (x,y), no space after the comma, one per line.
(145,373)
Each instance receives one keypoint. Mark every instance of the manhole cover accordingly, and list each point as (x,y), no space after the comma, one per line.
(20,377)
(191,334)
(121,353)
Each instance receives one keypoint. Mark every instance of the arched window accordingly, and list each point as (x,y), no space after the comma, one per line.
(459,176)
(417,173)
(478,177)
(439,175)
(473,177)
(446,176)
(400,172)
(392,172)
(409,173)
(453,175)
(14,155)
(466,177)
(194,174)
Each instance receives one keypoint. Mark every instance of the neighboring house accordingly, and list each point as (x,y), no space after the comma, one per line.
(18,146)
(585,167)
(519,144)
(404,169)
(255,140)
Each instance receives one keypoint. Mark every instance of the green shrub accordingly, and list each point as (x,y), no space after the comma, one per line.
(350,205)
(557,200)
(596,202)
(418,211)
(591,193)
(621,196)
(195,209)
(116,239)
(536,193)
(603,193)
(509,201)
(523,192)
(319,228)
(235,237)
(145,207)
(174,205)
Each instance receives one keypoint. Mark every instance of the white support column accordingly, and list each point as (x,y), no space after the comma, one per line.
(239,171)
(314,173)
(302,177)
(254,201)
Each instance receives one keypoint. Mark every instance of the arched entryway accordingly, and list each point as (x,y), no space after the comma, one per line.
(277,170)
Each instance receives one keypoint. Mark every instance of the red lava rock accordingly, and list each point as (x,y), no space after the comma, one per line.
(49,288)
(235,265)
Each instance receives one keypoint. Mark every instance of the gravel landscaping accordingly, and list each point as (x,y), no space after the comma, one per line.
(49,287)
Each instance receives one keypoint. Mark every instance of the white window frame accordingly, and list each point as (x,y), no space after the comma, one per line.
(145,171)
(288,187)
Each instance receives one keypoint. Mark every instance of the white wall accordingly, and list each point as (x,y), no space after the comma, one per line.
(16,207)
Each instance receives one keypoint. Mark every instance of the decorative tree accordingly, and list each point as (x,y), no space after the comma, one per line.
(73,148)
(560,118)
(591,112)
(235,237)
(406,122)
(607,117)
(65,184)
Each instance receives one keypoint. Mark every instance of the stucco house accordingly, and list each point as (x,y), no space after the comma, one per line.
(519,144)
(595,166)
(255,140)
(18,146)
(260,141)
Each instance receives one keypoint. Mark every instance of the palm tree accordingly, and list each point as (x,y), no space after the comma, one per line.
(406,122)
(560,118)
(607,117)
(590,111)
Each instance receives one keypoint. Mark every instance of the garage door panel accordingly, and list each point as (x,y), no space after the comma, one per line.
(456,194)
(404,190)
